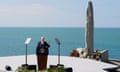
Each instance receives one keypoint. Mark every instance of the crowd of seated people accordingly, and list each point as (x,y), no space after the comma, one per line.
(96,55)
(74,53)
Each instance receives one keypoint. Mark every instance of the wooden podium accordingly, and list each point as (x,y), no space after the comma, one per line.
(42,62)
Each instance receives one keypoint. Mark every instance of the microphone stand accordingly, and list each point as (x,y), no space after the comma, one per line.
(26,55)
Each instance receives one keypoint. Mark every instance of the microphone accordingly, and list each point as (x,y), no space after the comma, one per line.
(57,41)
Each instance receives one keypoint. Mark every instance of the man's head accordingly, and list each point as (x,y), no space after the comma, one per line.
(42,39)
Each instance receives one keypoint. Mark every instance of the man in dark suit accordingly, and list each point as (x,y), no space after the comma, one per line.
(42,53)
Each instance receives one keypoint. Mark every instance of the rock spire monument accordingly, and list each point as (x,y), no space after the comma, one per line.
(89,39)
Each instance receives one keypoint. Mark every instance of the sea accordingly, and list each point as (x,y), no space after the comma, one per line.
(12,40)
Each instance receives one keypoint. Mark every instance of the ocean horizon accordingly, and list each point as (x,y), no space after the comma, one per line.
(12,40)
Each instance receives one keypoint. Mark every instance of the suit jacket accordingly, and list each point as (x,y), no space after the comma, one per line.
(42,49)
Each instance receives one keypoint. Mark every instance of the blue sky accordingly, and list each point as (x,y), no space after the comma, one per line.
(57,13)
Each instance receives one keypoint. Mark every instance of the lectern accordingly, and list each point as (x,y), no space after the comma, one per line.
(58,42)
